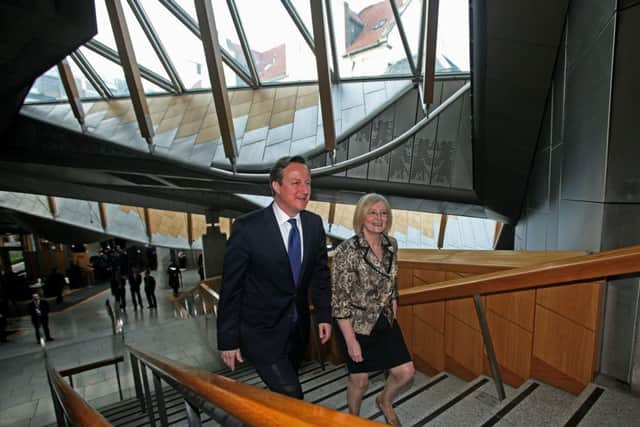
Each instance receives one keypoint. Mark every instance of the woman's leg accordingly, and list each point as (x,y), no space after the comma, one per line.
(399,376)
(356,387)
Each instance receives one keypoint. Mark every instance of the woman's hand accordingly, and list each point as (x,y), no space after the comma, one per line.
(353,347)
(394,308)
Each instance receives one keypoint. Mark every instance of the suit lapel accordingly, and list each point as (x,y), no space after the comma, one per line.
(273,229)
(306,238)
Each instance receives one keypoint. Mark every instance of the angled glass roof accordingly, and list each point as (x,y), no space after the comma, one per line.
(262,36)
(278,48)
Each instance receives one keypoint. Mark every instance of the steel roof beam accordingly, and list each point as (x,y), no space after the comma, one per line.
(130,67)
(156,44)
(324,78)
(403,36)
(293,13)
(71,89)
(114,56)
(91,74)
(213,55)
(430,52)
(192,26)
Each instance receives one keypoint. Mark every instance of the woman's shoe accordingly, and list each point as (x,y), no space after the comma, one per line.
(388,412)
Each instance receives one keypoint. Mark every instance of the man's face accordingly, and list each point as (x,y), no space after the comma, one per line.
(293,194)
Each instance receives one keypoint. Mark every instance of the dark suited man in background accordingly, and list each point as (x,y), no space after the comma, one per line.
(39,311)
(135,279)
(150,289)
(274,256)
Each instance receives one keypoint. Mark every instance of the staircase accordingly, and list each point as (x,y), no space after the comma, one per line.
(441,400)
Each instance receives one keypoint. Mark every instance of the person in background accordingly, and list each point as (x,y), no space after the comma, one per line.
(150,289)
(175,277)
(135,279)
(365,304)
(39,311)
(275,257)
(56,282)
(201,267)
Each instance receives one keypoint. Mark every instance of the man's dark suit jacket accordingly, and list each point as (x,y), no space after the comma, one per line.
(44,311)
(258,294)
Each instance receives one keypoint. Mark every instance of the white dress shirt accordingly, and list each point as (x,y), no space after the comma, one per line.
(283,223)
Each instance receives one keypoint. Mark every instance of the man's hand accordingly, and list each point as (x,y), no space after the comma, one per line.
(229,358)
(324,330)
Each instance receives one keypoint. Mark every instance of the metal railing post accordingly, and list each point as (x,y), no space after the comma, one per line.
(110,313)
(488,345)
(193,414)
(118,379)
(135,370)
(162,410)
(147,395)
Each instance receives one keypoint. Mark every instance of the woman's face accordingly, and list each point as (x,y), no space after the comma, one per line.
(375,218)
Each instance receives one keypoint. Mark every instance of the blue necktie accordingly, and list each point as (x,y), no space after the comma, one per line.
(294,251)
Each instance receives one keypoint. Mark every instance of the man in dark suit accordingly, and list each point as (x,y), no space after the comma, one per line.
(274,258)
(39,311)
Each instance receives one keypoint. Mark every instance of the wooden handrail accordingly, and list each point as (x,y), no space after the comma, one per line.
(575,269)
(204,287)
(77,410)
(251,405)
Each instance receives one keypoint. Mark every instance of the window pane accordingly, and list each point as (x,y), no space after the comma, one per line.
(415,229)
(469,233)
(452,48)
(105,33)
(278,48)
(48,87)
(367,38)
(184,48)
(304,11)
(145,55)
(227,36)
(111,73)
(410,14)
(85,87)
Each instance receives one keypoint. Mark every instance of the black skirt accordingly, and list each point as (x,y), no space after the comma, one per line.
(384,348)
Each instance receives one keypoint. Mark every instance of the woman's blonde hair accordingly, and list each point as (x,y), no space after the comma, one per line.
(363,205)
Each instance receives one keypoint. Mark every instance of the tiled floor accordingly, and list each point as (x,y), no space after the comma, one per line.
(83,334)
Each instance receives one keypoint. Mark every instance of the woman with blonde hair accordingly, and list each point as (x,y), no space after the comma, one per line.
(364,304)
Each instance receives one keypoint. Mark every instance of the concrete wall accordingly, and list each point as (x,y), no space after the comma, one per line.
(584,185)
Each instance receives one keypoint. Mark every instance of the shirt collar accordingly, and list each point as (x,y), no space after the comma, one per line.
(385,242)
(281,215)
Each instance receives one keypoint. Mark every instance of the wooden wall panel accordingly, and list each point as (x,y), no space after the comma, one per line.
(405,279)
(512,345)
(405,320)
(428,347)
(564,345)
(517,307)
(432,314)
(424,277)
(463,345)
(579,302)
(548,334)
(464,310)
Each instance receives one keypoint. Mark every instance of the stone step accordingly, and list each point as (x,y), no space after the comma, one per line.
(602,406)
